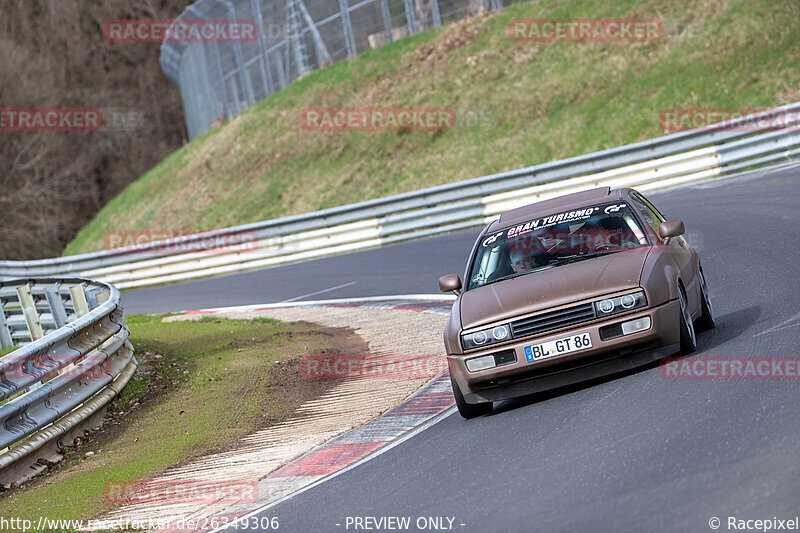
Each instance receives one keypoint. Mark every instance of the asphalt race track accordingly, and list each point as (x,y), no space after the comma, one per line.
(403,268)
(633,453)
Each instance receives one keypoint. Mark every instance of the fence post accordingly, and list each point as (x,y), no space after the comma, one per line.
(387,20)
(295,37)
(323,56)
(437,16)
(239,55)
(204,98)
(266,71)
(348,29)
(286,69)
(411,19)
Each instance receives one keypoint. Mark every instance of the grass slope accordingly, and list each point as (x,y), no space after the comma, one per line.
(516,104)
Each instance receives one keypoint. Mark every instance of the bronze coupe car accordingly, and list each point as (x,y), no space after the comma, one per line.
(567,289)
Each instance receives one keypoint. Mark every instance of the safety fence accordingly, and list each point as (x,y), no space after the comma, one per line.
(662,162)
(72,357)
(218,80)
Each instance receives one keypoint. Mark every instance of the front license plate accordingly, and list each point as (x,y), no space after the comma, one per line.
(573,343)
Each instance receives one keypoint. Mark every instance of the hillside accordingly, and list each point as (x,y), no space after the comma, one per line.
(516,104)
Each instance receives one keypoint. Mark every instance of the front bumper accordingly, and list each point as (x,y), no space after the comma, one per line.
(604,358)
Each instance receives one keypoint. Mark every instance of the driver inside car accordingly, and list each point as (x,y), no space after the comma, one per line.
(522,261)
(522,255)
(527,253)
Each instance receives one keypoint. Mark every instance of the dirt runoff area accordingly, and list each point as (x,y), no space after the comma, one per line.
(390,335)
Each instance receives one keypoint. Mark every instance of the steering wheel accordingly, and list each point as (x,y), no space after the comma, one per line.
(606,246)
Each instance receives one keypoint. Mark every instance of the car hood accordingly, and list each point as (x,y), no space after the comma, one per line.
(542,290)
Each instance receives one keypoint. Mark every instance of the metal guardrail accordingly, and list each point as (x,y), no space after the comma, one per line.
(661,162)
(73,358)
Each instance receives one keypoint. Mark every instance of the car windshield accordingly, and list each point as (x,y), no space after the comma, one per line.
(554,240)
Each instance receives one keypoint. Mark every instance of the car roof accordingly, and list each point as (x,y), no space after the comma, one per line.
(553,205)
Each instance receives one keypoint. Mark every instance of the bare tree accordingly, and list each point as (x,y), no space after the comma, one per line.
(54,55)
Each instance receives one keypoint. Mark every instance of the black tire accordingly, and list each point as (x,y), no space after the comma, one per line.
(468,410)
(706,320)
(688,334)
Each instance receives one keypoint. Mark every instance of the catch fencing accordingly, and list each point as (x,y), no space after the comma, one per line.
(218,80)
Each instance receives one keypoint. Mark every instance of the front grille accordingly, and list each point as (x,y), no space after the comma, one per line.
(554,320)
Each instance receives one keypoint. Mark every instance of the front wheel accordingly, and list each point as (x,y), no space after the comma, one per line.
(706,320)
(468,410)
(688,336)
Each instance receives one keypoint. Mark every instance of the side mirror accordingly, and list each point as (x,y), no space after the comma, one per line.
(671,228)
(450,283)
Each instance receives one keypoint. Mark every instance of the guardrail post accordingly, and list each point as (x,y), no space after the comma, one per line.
(56,306)
(91,297)
(79,302)
(29,311)
(5,333)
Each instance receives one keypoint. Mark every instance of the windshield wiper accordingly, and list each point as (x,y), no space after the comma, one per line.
(517,274)
(579,257)
(508,276)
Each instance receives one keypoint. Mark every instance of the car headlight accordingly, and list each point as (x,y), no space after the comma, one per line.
(485,337)
(620,304)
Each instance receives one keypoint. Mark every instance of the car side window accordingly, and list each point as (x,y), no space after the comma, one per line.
(490,264)
(651,215)
(651,206)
